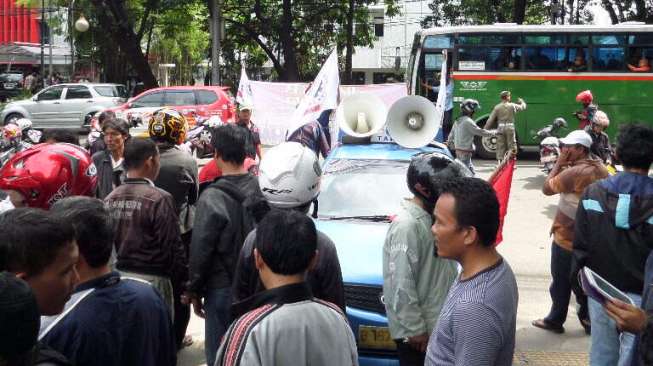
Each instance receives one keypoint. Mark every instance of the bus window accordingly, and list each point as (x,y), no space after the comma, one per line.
(608,59)
(488,39)
(438,42)
(639,59)
(640,38)
(609,39)
(576,39)
(577,59)
(489,58)
(548,39)
(545,58)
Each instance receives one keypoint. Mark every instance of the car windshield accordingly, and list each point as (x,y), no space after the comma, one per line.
(108,91)
(362,188)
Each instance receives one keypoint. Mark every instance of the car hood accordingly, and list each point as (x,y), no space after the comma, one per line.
(360,249)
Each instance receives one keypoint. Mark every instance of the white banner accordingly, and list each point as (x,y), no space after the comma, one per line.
(442,95)
(274,104)
(320,96)
(244,94)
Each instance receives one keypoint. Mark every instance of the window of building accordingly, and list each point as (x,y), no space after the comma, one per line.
(78,92)
(358,77)
(378,26)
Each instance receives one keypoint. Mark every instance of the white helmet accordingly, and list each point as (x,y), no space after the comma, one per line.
(601,119)
(289,175)
(23,123)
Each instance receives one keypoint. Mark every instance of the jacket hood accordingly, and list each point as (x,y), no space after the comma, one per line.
(629,199)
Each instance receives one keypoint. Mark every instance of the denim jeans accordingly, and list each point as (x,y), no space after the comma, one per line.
(609,347)
(217,303)
(561,289)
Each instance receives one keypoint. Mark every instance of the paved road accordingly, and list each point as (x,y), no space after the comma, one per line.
(526,247)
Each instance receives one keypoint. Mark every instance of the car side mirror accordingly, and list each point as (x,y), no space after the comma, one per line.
(130,105)
(35,98)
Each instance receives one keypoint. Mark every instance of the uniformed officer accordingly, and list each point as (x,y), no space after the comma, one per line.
(503,114)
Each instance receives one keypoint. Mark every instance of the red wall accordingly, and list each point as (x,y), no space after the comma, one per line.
(18,23)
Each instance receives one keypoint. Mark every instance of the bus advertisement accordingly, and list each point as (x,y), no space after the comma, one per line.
(547,66)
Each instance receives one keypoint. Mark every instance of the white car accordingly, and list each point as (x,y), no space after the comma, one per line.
(65,105)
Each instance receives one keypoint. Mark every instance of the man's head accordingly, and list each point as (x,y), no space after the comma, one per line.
(426,173)
(245,113)
(116,132)
(105,115)
(41,250)
(54,135)
(505,95)
(286,244)
(635,146)
(19,316)
(469,106)
(142,159)
(229,142)
(600,121)
(576,145)
(466,217)
(643,62)
(579,60)
(93,228)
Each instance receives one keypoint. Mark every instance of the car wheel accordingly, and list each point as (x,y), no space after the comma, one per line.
(12,117)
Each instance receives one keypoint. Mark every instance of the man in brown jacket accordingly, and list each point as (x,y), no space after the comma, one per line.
(503,115)
(573,172)
(148,242)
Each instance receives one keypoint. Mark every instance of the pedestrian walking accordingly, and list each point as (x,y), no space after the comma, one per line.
(613,238)
(415,280)
(503,115)
(477,322)
(285,324)
(573,172)
(463,132)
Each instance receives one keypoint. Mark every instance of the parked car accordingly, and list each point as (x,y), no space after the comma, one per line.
(65,105)
(11,84)
(362,189)
(202,101)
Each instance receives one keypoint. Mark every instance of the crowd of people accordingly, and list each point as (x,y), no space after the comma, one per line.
(103,256)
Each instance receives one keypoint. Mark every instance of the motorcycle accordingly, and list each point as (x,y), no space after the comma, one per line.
(198,138)
(18,135)
(549,143)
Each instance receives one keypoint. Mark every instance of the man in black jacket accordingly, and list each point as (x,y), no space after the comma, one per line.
(613,233)
(147,240)
(220,227)
(285,170)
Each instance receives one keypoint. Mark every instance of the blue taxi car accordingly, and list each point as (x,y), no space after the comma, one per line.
(362,187)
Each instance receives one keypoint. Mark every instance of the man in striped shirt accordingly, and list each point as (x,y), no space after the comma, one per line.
(477,322)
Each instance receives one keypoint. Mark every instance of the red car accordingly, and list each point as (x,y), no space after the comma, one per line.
(202,101)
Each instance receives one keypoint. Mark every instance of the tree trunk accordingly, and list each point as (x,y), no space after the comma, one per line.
(290,68)
(570,5)
(350,42)
(519,11)
(614,18)
(498,15)
(640,5)
(112,17)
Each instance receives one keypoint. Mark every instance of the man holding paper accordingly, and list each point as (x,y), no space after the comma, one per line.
(614,227)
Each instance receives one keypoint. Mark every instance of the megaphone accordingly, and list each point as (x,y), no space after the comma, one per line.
(411,122)
(361,115)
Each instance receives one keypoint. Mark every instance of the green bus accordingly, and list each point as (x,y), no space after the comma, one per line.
(534,63)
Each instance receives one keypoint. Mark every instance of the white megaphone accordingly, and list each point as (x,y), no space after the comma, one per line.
(361,115)
(411,122)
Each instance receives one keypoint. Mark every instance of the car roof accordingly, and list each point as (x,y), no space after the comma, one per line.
(189,87)
(88,84)
(376,151)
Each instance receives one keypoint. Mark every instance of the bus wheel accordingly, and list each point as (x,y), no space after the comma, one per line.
(486,147)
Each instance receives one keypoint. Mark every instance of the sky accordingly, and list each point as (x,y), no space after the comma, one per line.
(601,16)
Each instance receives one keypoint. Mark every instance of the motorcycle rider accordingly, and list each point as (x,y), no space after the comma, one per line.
(463,132)
(585,116)
(46,173)
(289,178)
(503,114)
(600,140)
(177,176)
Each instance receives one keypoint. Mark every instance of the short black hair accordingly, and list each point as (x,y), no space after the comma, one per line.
(476,205)
(93,227)
(117,124)
(230,143)
(635,146)
(286,240)
(61,135)
(105,115)
(31,239)
(137,151)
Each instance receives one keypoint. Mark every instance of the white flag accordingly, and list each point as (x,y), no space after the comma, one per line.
(442,94)
(244,94)
(321,95)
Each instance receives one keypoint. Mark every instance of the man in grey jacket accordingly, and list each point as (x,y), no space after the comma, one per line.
(286,325)
(415,280)
(463,133)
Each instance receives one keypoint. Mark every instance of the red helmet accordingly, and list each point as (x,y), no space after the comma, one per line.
(47,173)
(585,97)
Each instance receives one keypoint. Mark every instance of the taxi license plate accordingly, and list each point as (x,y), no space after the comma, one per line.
(375,337)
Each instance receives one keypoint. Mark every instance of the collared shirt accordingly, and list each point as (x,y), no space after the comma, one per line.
(504,113)
(415,280)
(287,326)
(121,322)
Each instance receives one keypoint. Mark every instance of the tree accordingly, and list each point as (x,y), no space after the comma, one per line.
(629,10)
(519,11)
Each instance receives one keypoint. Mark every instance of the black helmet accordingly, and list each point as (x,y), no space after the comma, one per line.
(469,106)
(427,170)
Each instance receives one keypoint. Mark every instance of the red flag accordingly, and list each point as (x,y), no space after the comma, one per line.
(501,181)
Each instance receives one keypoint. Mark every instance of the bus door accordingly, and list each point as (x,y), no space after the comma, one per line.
(430,64)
